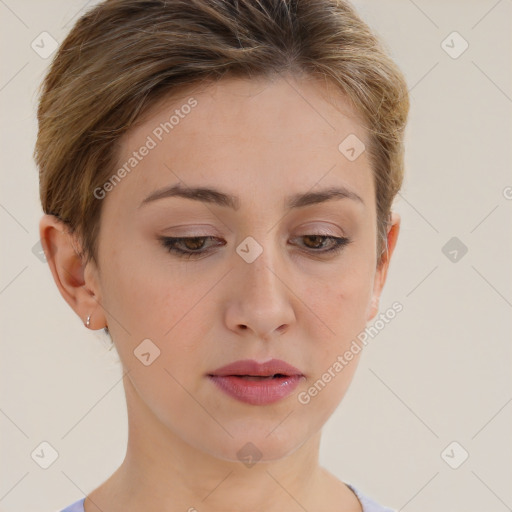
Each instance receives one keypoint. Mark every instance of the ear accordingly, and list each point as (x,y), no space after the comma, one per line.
(78,285)
(382,269)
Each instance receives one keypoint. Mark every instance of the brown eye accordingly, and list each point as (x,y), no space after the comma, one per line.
(314,241)
(187,247)
(194,244)
(317,243)
(194,247)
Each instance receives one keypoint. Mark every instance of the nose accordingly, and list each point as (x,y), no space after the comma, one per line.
(260,300)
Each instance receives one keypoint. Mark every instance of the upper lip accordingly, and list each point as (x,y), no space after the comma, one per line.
(253,368)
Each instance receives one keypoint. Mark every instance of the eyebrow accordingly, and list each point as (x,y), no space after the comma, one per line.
(213,196)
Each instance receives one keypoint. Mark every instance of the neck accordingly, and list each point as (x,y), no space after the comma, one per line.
(162,472)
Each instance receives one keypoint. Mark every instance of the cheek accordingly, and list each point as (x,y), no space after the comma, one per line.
(142,301)
(341,298)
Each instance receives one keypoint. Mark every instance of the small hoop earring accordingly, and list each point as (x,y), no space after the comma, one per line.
(88,321)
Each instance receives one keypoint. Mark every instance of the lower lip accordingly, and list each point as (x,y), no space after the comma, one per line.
(257,392)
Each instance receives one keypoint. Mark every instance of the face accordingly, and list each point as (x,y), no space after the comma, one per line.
(273,268)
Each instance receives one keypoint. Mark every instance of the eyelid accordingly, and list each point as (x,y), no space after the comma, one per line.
(169,244)
(321,230)
(192,231)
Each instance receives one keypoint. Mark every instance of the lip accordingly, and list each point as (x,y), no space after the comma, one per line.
(233,380)
(251,367)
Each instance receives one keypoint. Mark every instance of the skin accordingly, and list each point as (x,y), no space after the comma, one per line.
(260,140)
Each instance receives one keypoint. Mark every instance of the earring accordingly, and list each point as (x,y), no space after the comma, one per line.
(88,321)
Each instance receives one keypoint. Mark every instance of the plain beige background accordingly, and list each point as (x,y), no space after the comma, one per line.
(438,373)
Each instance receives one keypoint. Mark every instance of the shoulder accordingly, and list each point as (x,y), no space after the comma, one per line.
(77,506)
(367,503)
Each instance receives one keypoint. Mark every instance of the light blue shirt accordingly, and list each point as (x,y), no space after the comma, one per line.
(367,504)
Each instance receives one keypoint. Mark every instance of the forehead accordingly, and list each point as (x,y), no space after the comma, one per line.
(259,135)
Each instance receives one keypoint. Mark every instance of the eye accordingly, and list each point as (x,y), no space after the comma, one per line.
(318,242)
(194,247)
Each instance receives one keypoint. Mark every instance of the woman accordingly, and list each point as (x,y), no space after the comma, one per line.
(217,179)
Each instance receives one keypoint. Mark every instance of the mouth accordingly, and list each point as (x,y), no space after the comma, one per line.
(252,370)
(257,383)
(260,377)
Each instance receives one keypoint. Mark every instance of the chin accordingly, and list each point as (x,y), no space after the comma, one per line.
(251,445)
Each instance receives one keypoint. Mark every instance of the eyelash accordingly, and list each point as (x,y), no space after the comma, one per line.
(170,244)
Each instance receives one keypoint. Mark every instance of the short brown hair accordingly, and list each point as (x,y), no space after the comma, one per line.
(123,56)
